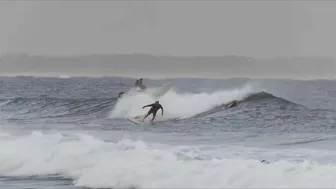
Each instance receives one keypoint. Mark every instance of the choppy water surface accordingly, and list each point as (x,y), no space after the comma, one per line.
(73,133)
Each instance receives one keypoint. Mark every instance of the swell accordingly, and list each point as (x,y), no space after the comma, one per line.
(262,96)
(251,99)
(45,107)
(306,141)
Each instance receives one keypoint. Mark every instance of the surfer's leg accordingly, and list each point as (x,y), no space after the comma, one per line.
(145,116)
(149,112)
(154,115)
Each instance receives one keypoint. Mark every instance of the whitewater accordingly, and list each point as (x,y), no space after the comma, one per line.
(177,105)
(72,133)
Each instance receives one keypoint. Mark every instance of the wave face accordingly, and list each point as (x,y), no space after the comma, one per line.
(176,104)
(256,104)
(72,132)
(179,105)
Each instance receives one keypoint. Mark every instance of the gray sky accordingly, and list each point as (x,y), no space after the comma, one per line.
(257,29)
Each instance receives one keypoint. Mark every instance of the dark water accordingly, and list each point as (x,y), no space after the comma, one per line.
(73,133)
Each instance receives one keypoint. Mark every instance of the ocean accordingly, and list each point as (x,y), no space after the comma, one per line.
(68,133)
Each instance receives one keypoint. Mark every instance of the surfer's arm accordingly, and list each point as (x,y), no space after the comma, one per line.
(161,110)
(147,106)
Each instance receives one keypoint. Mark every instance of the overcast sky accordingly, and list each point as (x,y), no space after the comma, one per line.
(255,28)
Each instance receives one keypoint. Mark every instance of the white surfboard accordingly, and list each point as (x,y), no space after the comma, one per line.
(147,121)
(139,121)
(134,121)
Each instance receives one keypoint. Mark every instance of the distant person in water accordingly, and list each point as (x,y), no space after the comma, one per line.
(265,161)
(139,84)
(120,94)
(234,103)
(154,108)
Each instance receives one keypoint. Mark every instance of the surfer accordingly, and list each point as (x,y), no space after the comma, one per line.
(154,108)
(234,103)
(265,161)
(139,84)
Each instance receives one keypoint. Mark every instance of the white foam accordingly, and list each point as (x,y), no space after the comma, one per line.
(94,163)
(176,105)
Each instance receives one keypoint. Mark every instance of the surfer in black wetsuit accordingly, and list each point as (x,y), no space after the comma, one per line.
(234,103)
(154,108)
(265,161)
(139,84)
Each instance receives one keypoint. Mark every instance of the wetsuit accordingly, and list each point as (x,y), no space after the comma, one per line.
(234,103)
(154,108)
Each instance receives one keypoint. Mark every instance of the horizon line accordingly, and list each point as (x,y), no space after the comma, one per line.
(154,55)
(129,76)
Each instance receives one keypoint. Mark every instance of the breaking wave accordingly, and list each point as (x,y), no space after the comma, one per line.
(93,163)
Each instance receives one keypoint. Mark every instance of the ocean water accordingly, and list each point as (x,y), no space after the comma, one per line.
(67,133)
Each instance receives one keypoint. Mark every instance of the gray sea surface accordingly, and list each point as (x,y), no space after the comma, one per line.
(64,133)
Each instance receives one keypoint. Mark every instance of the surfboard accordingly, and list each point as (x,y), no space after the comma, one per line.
(139,121)
(134,121)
